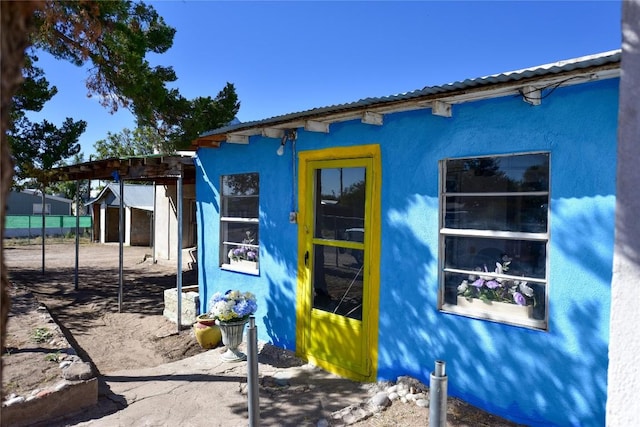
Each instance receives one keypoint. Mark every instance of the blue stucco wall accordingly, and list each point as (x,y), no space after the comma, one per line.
(554,377)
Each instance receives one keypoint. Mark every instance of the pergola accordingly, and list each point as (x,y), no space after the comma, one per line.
(175,169)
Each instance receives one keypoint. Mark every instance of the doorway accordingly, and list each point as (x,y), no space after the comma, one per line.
(338,276)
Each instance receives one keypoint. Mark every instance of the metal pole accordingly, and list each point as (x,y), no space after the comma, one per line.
(121,233)
(153,224)
(438,396)
(77,232)
(93,215)
(179,275)
(252,373)
(43,226)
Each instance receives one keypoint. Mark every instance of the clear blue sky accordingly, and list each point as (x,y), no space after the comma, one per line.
(292,56)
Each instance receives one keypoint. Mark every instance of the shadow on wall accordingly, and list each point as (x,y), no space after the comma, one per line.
(529,376)
(280,322)
(280,318)
(206,193)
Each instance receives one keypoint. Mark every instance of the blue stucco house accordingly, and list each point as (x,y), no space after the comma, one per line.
(471,222)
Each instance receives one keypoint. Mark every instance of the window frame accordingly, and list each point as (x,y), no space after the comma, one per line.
(247,267)
(37,209)
(485,312)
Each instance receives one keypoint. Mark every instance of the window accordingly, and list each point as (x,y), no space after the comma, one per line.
(239,237)
(37,209)
(493,238)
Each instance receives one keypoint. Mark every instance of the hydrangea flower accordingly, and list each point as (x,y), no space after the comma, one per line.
(232,305)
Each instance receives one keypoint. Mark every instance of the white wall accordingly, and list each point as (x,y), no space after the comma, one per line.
(623,406)
(166,219)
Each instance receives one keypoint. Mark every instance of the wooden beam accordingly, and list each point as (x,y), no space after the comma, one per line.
(315,126)
(234,138)
(371,118)
(272,133)
(531,95)
(441,108)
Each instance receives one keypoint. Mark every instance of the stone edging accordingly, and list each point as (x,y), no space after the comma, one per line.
(77,390)
(406,390)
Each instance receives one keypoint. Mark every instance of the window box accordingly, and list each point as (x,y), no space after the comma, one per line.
(242,266)
(245,263)
(503,309)
(520,315)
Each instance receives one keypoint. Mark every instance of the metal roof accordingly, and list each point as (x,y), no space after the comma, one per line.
(456,92)
(135,196)
(38,193)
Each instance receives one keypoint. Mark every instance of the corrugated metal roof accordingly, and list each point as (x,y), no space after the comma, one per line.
(538,72)
(47,196)
(135,195)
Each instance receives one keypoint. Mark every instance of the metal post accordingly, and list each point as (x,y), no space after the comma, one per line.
(42,213)
(93,216)
(438,396)
(77,232)
(252,373)
(179,274)
(121,237)
(153,224)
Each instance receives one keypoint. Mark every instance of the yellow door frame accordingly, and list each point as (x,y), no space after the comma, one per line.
(372,252)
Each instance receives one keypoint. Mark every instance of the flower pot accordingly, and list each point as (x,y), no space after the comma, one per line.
(232,333)
(207,332)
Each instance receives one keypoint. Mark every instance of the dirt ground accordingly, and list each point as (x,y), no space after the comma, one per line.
(136,337)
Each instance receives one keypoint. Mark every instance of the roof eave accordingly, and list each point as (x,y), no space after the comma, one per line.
(566,73)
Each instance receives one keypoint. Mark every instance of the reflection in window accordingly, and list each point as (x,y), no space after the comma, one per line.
(337,283)
(341,203)
(339,218)
(494,216)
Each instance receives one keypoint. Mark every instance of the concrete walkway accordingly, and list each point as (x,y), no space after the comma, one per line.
(203,390)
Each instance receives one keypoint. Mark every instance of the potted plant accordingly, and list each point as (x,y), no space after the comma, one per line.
(231,312)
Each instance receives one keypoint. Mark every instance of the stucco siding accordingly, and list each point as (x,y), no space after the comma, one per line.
(552,377)
(166,230)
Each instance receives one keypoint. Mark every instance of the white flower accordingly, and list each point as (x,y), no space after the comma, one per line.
(499,270)
(526,290)
(463,286)
(485,277)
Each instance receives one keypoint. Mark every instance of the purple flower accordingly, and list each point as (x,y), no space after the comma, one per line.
(478,283)
(519,298)
(492,284)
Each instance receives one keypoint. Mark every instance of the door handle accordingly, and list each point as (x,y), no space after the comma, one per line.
(306,259)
